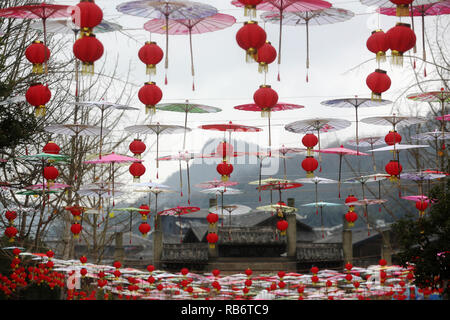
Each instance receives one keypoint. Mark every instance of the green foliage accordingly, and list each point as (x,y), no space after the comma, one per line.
(422,239)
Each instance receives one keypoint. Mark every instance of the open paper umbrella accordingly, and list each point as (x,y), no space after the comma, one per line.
(283,6)
(156,129)
(366,202)
(316,181)
(189,27)
(216,183)
(43,11)
(233,210)
(221,190)
(369,142)
(65,26)
(279,208)
(421,176)
(341,151)
(48,186)
(283,151)
(446,117)
(355,103)
(103,106)
(321,204)
(187,108)
(377,177)
(278,107)
(309,18)
(150,186)
(75,129)
(167,10)
(112,159)
(261,155)
(441,96)
(278,186)
(157,191)
(178,211)
(433,135)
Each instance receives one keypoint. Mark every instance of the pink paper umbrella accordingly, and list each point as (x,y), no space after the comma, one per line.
(189,27)
(178,211)
(50,186)
(41,11)
(341,151)
(281,6)
(444,118)
(366,202)
(112,159)
(278,107)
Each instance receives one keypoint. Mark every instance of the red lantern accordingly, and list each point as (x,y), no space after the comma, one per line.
(145,211)
(421,206)
(377,43)
(382,263)
(137,147)
(309,164)
(151,54)
(38,96)
(137,169)
(224,149)
(38,54)
(212,239)
(282,226)
(144,228)
(83,259)
(87,15)
(351,217)
(51,148)
(184,271)
(402,7)
(76,230)
(224,169)
(401,38)
(314,270)
(76,212)
(348,266)
(392,138)
(50,174)
(251,37)
(10,216)
(393,168)
(11,232)
(250,7)
(212,218)
(248,272)
(88,49)
(348,277)
(266,98)
(351,198)
(266,55)
(310,140)
(150,94)
(378,82)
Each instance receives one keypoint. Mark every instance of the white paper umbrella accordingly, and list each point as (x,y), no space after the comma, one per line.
(75,129)
(398,147)
(366,202)
(232,209)
(369,142)
(221,191)
(65,26)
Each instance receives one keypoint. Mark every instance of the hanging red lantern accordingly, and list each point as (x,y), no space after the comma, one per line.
(402,9)
(351,217)
(266,54)
(212,218)
(401,38)
(83,259)
(421,205)
(251,37)
(309,164)
(266,98)
(137,170)
(76,230)
(378,82)
(212,239)
(88,49)
(10,216)
(282,226)
(314,270)
(144,228)
(150,94)
(38,54)
(349,199)
(392,138)
(224,169)
(377,43)
(76,212)
(310,140)
(393,168)
(224,149)
(137,147)
(38,96)
(11,232)
(151,54)
(348,266)
(87,15)
(50,174)
(51,148)
(250,7)
(144,211)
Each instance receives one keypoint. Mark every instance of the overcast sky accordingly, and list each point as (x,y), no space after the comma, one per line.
(224,80)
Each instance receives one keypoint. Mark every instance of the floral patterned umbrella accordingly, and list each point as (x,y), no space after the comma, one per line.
(212,23)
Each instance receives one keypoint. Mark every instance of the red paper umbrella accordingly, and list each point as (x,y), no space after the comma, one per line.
(341,151)
(284,185)
(189,27)
(281,6)
(178,211)
(280,106)
(42,11)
